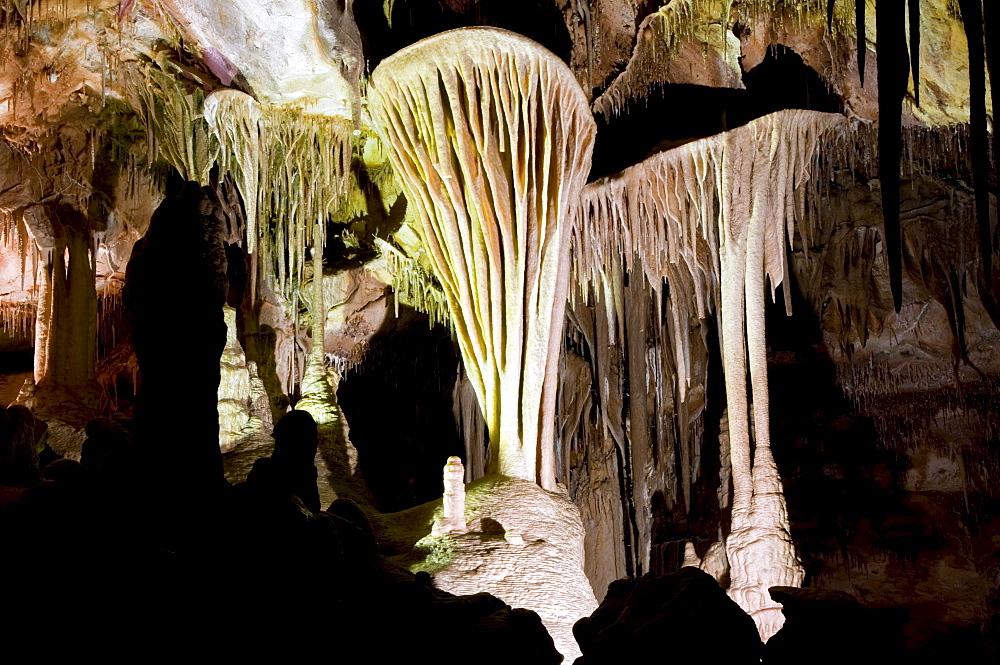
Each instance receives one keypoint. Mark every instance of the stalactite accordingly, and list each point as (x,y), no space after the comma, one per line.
(414,285)
(17,318)
(171,113)
(859,26)
(913,10)
(111,315)
(491,138)
(972,18)
(893,72)
(991,26)
(293,169)
(855,255)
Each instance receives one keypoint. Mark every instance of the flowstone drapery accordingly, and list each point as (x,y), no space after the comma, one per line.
(491,137)
(708,223)
(293,170)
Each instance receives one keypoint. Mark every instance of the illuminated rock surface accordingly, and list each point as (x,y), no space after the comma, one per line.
(524,545)
(743,149)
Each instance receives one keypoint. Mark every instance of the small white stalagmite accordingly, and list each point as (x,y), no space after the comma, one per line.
(454,498)
(691,557)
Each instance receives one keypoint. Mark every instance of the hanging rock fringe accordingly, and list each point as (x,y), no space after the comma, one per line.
(111,317)
(413,285)
(171,111)
(293,170)
(17,316)
(17,319)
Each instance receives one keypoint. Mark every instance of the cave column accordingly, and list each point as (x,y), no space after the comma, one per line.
(66,315)
(337,458)
(759,547)
(43,312)
(492,137)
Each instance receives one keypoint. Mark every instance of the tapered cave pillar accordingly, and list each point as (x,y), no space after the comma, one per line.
(66,318)
(175,289)
(755,166)
(492,137)
(336,457)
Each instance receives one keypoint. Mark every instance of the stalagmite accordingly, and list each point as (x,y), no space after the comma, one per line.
(491,137)
(453,520)
(690,556)
(234,387)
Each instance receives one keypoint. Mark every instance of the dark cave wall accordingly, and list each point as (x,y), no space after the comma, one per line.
(398,402)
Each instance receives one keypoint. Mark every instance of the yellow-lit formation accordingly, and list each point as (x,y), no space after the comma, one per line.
(491,137)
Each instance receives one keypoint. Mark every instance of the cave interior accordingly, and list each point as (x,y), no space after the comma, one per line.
(594,331)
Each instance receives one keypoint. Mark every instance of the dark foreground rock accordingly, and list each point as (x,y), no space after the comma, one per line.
(832,627)
(681,617)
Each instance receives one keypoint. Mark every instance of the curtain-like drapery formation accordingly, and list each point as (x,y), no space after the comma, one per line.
(491,137)
(708,223)
(293,169)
